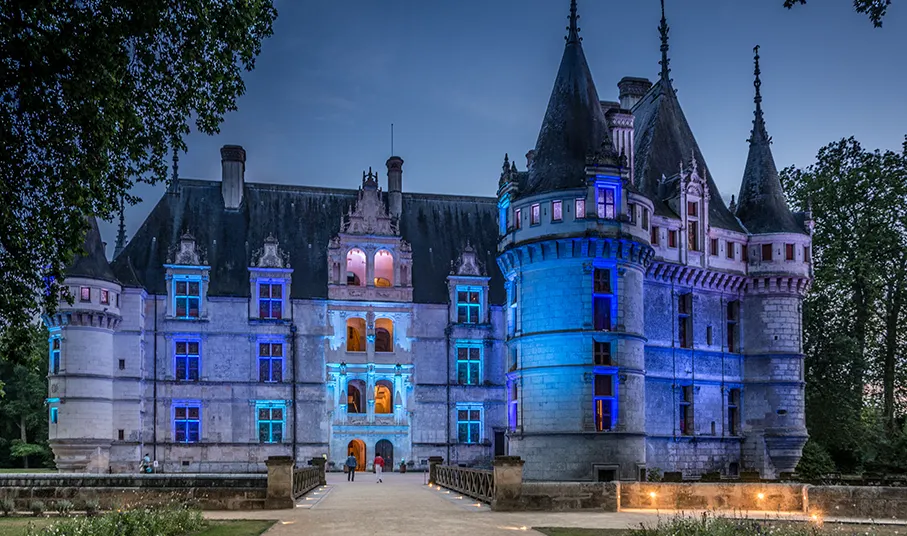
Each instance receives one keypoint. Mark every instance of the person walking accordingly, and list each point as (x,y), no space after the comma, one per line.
(351,464)
(379,467)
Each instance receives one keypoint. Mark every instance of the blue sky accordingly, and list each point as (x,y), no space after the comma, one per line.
(465,81)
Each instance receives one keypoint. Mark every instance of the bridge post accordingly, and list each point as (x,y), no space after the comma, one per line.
(433,463)
(319,462)
(508,483)
(280,483)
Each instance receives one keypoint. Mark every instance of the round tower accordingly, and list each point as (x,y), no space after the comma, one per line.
(80,379)
(574,252)
(778,256)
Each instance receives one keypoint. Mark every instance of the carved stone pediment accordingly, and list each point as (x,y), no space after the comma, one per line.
(187,252)
(468,263)
(370,216)
(271,256)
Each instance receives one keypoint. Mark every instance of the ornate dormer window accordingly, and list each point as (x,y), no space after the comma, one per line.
(187,277)
(694,205)
(368,259)
(468,284)
(270,276)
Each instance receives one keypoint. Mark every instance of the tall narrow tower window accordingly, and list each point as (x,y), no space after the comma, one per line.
(729,252)
(55,350)
(604,401)
(693,226)
(685,320)
(580,208)
(654,237)
(713,247)
(601,353)
(535,214)
(557,211)
(513,405)
(601,299)
(733,412)
(686,410)
(733,319)
(672,238)
(645,219)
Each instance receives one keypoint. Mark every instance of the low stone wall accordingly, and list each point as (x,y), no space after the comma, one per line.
(717,496)
(207,491)
(563,496)
(877,502)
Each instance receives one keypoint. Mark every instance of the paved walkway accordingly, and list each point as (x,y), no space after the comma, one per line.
(403,505)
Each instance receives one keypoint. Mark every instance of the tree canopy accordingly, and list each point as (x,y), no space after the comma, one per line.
(874,9)
(94,96)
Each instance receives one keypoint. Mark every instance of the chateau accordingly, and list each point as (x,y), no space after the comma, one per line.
(606,314)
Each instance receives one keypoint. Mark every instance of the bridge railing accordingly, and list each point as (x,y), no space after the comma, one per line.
(305,479)
(475,483)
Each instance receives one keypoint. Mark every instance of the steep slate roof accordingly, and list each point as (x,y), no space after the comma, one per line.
(92,265)
(574,124)
(304,219)
(663,139)
(761,205)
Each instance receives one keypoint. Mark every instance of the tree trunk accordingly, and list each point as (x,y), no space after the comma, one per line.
(861,320)
(24,439)
(892,321)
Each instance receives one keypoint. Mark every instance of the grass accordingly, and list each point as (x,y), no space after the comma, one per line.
(16,526)
(829,529)
(36,470)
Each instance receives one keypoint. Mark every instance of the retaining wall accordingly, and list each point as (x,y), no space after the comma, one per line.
(718,496)
(876,502)
(562,496)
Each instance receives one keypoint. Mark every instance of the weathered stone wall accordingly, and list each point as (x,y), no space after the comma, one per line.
(562,496)
(719,496)
(858,501)
(209,492)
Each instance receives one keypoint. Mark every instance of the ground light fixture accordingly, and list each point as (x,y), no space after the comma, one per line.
(760,496)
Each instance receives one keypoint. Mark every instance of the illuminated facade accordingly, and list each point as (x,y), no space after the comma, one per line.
(604,315)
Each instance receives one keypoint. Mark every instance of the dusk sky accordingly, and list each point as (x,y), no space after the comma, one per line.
(466,81)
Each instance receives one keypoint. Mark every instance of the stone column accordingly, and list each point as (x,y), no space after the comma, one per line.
(433,463)
(320,462)
(508,483)
(280,483)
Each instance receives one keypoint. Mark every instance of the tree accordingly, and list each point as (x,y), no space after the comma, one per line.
(23,414)
(875,9)
(854,317)
(93,97)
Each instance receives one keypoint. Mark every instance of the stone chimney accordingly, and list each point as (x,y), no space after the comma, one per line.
(395,186)
(632,90)
(233,171)
(529,157)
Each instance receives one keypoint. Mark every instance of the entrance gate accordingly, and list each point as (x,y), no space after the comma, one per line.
(356,447)
(385,449)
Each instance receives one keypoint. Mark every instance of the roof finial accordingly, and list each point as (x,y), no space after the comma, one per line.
(663,30)
(174,182)
(759,121)
(121,232)
(573,29)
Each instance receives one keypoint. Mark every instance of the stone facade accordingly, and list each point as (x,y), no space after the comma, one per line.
(599,317)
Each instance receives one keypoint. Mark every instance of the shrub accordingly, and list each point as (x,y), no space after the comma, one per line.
(37,507)
(654,474)
(7,506)
(63,507)
(91,507)
(138,522)
(815,462)
(708,524)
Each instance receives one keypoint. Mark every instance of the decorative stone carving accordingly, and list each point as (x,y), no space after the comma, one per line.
(370,216)
(272,256)
(468,263)
(187,252)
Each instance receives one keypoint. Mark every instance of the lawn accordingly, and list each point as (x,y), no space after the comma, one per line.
(37,470)
(830,529)
(16,526)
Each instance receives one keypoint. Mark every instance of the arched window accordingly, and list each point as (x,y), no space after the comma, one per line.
(384,268)
(384,335)
(355,335)
(355,401)
(355,267)
(384,402)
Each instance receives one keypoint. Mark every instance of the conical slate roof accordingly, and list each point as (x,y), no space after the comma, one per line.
(761,205)
(92,265)
(574,123)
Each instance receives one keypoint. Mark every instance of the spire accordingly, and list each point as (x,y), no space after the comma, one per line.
(574,125)
(663,29)
(573,29)
(174,181)
(121,231)
(759,122)
(761,205)
(91,263)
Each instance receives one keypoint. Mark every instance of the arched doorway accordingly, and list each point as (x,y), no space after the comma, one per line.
(356,447)
(385,449)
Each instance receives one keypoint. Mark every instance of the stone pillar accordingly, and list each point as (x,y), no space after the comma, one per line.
(433,463)
(320,462)
(280,483)
(508,483)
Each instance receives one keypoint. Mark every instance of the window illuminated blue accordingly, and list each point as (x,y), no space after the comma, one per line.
(469,423)
(270,361)
(55,352)
(187,422)
(469,304)
(187,297)
(469,363)
(54,414)
(271,419)
(186,361)
(270,300)
(604,401)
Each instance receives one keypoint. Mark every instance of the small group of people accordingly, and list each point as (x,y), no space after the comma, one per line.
(352,463)
(147,465)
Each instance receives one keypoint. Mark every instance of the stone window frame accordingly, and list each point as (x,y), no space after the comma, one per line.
(55,354)
(600,400)
(806,252)
(605,208)
(468,346)
(714,247)
(513,404)
(270,299)
(790,252)
(392,334)
(732,323)
(672,238)
(186,405)
(53,410)
(769,249)
(259,357)
(104,296)
(729,250)
(535,214)
(469,306)
(603,296)
(363,338)
(503,218)
(686,416)
(270,422)
(469,408)
(602,349)
(655,235)
(85,294)
(187,340)
(645,219)
(685,319)
(186,279)
(517,218)
(513,307)
(694,240)
(579,205)
(557,211)
(631,213)
(734,404)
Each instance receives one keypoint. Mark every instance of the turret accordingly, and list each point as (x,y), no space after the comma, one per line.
(81,349)
(233,172)
(395,186)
